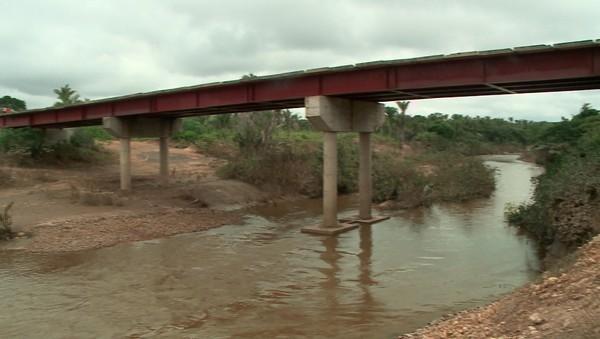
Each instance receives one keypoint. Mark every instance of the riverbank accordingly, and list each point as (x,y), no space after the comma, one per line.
(562,304)
(80,207)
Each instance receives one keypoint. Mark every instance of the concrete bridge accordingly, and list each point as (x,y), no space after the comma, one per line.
(337,99)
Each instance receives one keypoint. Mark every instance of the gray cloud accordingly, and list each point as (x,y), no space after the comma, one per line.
(107,48)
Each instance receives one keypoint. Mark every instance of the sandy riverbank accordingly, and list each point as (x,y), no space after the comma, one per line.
(79,208)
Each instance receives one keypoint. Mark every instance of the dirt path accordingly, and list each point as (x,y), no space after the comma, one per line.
(564,304)
(82,207)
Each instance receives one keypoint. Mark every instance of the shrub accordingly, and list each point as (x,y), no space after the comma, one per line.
(287,167)
(25,141)
(6,231)
(347,163)
(296,167)
(398,179)
(565,201)
(87,136)
(429,178)
(27,145)
(460,178)
(6,178)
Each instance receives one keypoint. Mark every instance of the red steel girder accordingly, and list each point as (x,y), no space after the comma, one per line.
(526,70)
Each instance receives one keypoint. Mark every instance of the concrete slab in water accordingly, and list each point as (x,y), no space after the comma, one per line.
(320,230)
(357,220)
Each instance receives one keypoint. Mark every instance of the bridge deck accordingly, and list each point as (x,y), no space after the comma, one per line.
(541,68)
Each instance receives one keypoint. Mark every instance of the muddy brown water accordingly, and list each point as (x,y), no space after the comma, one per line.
(264,279)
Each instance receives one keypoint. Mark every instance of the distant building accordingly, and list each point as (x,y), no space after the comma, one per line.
(6,110)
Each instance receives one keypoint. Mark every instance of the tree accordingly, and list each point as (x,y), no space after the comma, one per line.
(403,106)
(391,121)
(66,96)
(12,104)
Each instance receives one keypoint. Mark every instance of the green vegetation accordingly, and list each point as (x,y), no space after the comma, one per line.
(28,145)
(565,208)
(6,231)
(13,104)
(66,96)
(293,152)
(462,134)
(23,141)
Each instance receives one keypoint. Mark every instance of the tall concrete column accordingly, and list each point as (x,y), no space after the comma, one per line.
(125,162)
(164,160)
(364,177)
(330,168)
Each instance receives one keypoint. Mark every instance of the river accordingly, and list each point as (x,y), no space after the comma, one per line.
(264,279)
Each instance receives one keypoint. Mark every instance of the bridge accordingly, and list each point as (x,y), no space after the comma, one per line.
(337,99)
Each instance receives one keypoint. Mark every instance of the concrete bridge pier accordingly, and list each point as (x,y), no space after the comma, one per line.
(58,135)
(125,163)
(333,115)
(330,170)
(125,129)
(365,182)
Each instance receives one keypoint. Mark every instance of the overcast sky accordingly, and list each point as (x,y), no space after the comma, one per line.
(115,47)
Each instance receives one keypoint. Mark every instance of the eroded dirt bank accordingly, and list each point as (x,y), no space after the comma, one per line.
(81,207)
(564,304)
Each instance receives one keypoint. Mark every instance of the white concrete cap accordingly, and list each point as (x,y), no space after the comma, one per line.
(330,114)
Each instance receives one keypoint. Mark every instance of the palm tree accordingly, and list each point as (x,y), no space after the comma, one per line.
(403,106)
(66,96)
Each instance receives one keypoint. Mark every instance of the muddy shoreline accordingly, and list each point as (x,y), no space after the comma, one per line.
(562,304)
(86,233)
(80,208)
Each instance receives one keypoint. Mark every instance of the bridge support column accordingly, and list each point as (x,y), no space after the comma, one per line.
(332,115)
(125,129)
(166,129)
(330,170)
(365,185)
(125,163)
(58,135)
(164,160)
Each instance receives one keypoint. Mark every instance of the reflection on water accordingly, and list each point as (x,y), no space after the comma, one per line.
(265,279)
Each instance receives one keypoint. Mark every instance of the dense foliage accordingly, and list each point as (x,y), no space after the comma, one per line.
(464,134)
(13,104)
(27,145)
(279,151)
(565,205)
